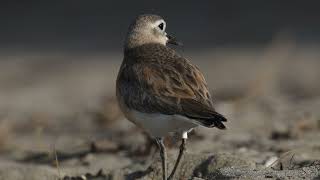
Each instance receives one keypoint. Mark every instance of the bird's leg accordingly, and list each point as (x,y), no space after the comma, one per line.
(163,156)
(181,151)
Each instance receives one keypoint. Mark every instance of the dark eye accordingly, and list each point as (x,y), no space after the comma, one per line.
(161,26)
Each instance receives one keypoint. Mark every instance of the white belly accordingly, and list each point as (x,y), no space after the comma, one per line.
(159,125)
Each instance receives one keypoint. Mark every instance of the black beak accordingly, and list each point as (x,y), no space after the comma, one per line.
(173,40)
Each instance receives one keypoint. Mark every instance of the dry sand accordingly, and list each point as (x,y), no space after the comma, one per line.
(59,118)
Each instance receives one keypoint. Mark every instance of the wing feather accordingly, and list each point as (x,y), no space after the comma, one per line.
(170,85)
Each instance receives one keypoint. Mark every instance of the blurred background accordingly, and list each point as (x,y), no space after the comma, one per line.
(59,61)
(100,26)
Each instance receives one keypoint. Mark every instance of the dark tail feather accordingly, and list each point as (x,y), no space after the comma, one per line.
(216,120)
(219,125)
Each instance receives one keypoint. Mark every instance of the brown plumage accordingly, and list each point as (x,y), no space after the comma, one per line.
(155,79)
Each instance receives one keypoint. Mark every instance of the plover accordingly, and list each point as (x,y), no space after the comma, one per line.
(161,91)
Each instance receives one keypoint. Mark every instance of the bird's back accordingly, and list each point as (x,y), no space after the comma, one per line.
(155,79)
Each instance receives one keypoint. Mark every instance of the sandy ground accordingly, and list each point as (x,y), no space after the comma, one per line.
(59,118)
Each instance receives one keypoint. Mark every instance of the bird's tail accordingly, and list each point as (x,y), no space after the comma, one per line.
(215,120)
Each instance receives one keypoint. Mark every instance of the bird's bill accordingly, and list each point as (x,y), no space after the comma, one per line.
(173,40)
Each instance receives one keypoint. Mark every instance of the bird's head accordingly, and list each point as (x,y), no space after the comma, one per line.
(147,29)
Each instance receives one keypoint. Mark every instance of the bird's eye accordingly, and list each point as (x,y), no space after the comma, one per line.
(161,25)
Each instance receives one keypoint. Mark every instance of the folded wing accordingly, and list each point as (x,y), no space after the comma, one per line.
(176,87)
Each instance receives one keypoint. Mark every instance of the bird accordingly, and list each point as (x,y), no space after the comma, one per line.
(159,90)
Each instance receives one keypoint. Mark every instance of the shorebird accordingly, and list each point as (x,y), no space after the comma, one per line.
(161,91)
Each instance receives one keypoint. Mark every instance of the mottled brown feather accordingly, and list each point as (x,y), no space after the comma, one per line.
(155,79)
